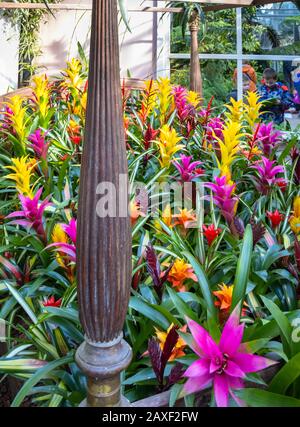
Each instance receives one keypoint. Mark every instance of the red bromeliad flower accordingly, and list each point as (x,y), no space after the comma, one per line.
(149,136)
(275,217)
(50,302)
(211,233)
(282,184)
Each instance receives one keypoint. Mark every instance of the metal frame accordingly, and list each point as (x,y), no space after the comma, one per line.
(239,56)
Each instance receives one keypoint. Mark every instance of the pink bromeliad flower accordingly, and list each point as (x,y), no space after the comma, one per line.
(267,175)
(32,213)
(269,137)
(223,197)
(223,365)
(7,122)
(38,144)
(184,109)
(188,170)
(214,129)
(68,249)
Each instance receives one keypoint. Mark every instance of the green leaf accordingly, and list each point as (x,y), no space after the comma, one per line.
(22,302)
(203,283)
(14,365)
(243,269)
(286,376)
(38,376)
(182,307)
(149,311)
(282,322)
(175,393)
(261,398)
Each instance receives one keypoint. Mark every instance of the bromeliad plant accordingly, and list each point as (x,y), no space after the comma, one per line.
(226,266)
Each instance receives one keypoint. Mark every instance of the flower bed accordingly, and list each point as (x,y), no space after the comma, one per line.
(215,280)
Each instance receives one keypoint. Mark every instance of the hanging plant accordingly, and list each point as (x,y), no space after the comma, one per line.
(28,23)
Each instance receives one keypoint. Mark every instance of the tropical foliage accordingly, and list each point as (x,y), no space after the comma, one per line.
(215,285)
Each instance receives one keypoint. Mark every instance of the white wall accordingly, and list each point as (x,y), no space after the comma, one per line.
(59,37)
(9,41)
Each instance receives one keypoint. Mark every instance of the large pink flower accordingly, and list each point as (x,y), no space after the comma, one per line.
(223,365)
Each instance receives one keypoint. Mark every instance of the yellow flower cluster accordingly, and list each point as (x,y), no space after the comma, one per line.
(22,172)
(17,117)
(295,218)
(229,147)
(41,94)
(252,108)
(168,145)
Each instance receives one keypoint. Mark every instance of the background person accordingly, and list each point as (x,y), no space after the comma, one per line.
(277,97)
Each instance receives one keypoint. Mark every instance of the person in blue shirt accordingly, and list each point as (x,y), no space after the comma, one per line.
(277,97)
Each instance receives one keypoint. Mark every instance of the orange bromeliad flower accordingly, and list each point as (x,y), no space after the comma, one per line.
(135,211)
(185,218)
(74,130)
(180,272)
(224,301)
(180,345)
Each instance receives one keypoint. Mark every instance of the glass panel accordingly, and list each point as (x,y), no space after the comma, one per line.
(217,34)
(272,30)
(217,78)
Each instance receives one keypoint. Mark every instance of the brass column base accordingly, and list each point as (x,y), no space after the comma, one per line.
(102,363)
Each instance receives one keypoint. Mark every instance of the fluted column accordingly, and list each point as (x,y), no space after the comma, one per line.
(104,243)
(195,69)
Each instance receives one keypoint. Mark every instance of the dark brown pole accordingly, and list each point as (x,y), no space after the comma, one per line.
(195,71)
(104,243)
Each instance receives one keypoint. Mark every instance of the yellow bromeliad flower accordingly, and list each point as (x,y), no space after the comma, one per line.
(235,110)
(252,108)
(59,236)
(193,98)
(41,94)
(17,115)
(180,345)
(295,218)
(168,145)
(166,218)
(22,169)
(73,74)
(229,147)
(165,97)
